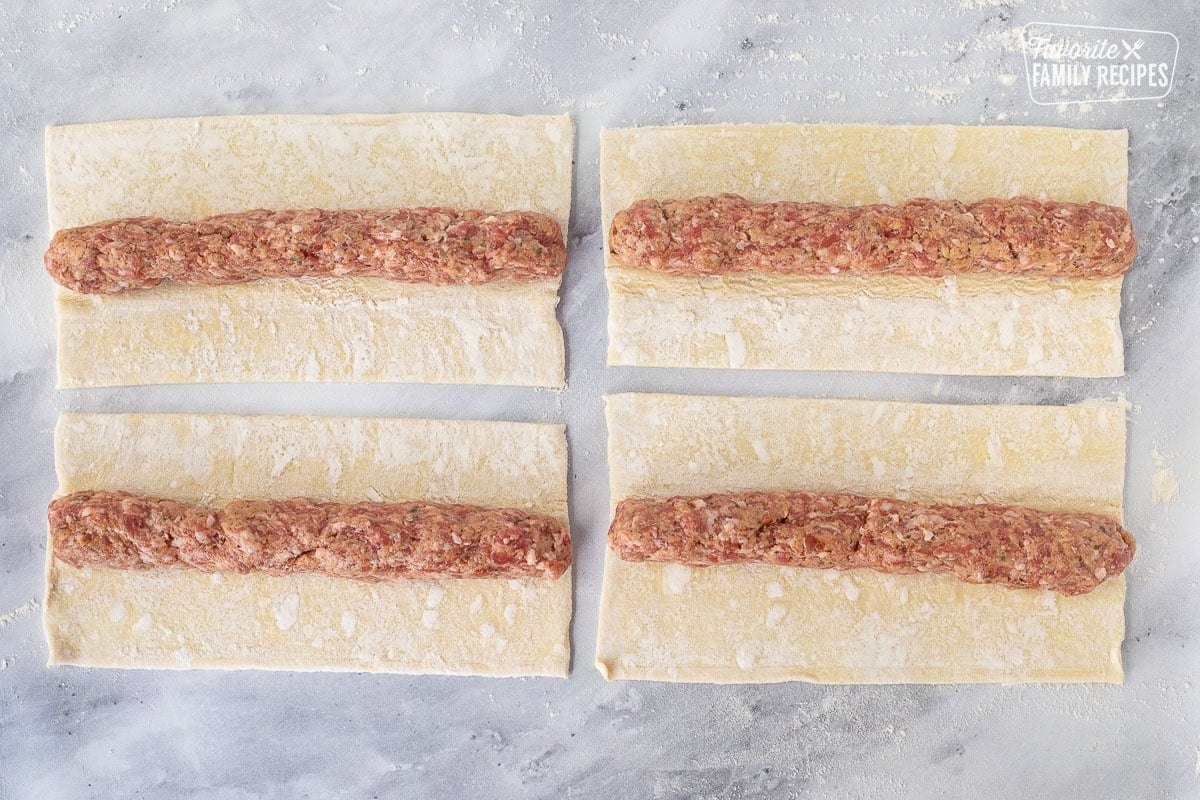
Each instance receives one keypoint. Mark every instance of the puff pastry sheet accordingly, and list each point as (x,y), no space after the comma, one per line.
(185,618)
(972,325)
(358,329)
(762,623)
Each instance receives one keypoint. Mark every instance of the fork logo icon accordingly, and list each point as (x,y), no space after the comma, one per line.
(1132,49)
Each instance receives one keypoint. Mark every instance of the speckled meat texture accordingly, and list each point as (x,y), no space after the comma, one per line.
(412,245)
(1013,546)
(922,238)
(363,541)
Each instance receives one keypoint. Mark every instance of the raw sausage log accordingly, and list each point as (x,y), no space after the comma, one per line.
(413,245)
(924,238)
(364,541)
(1012,546)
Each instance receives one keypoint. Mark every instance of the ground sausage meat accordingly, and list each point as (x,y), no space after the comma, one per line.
(364,541)
(931,238)
(1012,546)
(413,245)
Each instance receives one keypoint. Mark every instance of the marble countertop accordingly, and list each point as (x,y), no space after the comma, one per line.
(68,732)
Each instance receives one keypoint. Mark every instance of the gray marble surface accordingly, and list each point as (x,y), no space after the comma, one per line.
(68,732)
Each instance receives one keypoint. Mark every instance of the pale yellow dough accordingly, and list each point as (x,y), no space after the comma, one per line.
(310,330)
(972,325)
(760,623)
(185,618)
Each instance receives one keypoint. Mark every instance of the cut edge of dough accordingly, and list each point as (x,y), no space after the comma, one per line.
(609,664)
(866,324)
(554,666)
(79,368)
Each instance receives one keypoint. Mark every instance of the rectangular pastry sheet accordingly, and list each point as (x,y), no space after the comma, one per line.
(180,618)
(762,623)
(969,325)
(345,329)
